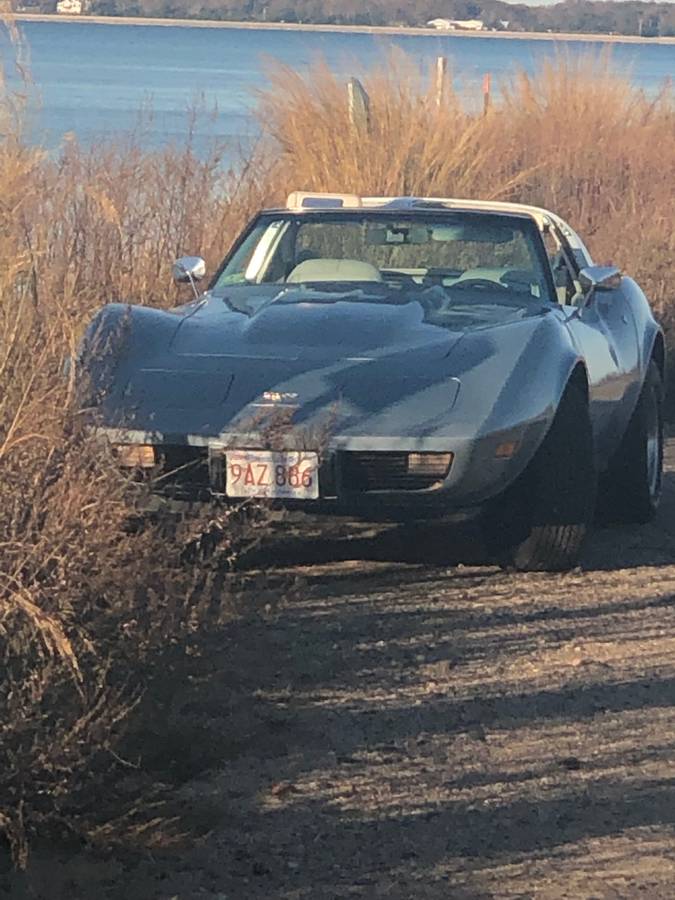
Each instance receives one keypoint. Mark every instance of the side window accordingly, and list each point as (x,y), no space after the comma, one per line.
(567,286)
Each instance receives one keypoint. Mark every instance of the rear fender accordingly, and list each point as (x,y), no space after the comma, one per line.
(651,345)
(649,332)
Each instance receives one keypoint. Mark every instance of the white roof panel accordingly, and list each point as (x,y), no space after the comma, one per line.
(307,200)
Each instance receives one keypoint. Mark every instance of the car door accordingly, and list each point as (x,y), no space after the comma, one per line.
(604,331)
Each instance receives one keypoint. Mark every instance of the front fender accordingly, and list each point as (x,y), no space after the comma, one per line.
(512,379)
(126,328)
(118,334)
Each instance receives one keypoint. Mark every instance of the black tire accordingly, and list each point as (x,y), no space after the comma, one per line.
(539,523)
(630,490)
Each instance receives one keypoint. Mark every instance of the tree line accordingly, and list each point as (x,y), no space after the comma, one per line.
(630,17)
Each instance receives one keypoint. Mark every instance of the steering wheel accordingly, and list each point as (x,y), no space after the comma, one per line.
(480,284)
(402,278)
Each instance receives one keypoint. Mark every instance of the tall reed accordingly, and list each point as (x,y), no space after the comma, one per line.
(86,607)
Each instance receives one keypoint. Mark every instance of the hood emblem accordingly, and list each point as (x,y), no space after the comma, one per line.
(279,396)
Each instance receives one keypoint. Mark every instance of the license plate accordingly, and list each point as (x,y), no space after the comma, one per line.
(291,475)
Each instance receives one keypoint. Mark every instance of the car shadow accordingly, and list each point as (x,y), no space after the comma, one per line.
(335,773)
(312,543)
(632,546)
(306,542)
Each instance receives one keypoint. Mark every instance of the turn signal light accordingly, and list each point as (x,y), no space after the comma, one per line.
(430,463)
(135,456)
(506,449)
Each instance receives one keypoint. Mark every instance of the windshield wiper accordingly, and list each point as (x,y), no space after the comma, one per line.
(338,292)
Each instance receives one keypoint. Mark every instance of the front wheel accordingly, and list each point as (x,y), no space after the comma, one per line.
(540,522)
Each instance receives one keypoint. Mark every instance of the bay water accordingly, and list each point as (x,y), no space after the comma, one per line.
(92,80)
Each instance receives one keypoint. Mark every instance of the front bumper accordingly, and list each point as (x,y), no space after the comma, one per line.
(372,484)
(349,482)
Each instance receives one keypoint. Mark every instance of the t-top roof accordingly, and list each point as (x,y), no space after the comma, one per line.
(300,201)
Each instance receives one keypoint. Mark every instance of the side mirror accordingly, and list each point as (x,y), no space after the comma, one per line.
(189,269)
(600,278)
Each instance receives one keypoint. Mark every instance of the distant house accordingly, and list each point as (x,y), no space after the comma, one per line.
(457,24)
(69,7)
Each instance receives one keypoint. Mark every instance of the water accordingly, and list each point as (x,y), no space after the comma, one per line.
(92,79)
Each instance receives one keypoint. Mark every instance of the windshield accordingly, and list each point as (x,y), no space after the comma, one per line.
(461,253)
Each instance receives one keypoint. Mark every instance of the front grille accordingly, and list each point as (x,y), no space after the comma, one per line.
(185,471)
(363,472)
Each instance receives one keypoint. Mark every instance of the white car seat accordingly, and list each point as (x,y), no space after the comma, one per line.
(333,270)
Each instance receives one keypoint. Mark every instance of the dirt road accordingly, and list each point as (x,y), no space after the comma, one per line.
(417,731)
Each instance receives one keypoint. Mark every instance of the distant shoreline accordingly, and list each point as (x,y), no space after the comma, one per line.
(342,29)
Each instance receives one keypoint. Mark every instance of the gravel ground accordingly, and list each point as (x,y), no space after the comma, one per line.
(413,730)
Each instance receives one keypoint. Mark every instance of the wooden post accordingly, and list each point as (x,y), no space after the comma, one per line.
(359,104)
(441,76)
(487,82)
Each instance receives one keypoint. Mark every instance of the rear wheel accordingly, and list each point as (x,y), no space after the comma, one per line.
(541,521)
(631,488)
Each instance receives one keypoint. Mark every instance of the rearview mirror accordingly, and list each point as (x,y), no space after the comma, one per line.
(471,232)
(188,269)
(600,278)
(397,234)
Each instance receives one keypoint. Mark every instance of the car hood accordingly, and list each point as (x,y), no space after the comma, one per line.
(332,359)
(309,323)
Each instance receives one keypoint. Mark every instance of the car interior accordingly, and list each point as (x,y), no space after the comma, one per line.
(469,260)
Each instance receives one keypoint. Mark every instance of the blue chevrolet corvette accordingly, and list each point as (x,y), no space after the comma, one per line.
(397,358)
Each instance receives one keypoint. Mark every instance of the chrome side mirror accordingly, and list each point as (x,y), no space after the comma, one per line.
(600,278)
(188,269)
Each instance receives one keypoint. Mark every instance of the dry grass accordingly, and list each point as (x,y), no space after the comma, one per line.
(609,164)
(85,608)
(413,144)
(576,138)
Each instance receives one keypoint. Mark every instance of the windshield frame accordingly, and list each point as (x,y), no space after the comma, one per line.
(359,214)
